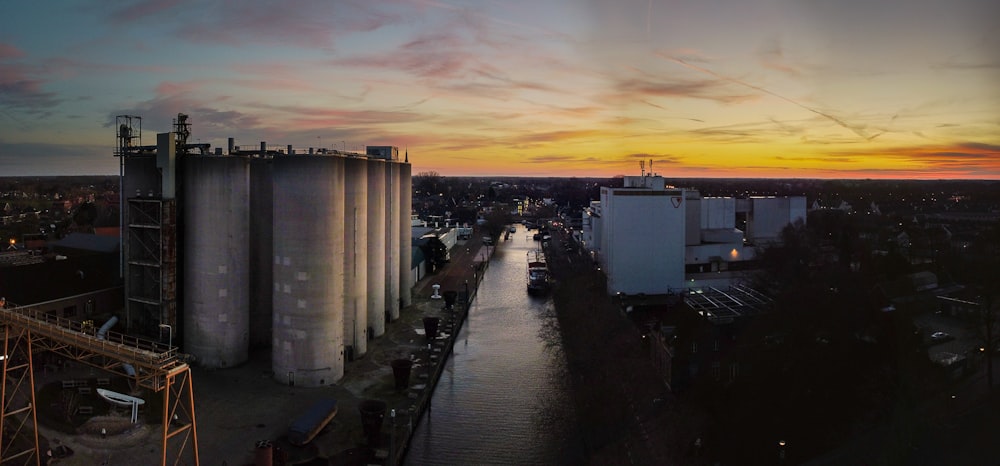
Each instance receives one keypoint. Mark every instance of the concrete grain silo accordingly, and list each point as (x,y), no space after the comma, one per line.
(261,245)
(216,243)
(392,213)
(356,254)
(405,235)
(308,321)
(376,247)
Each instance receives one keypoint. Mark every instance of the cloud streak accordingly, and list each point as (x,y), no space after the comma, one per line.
(21,92)
(859,130)
(706,89)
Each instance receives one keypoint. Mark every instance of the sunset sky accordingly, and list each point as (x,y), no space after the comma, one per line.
(703,88)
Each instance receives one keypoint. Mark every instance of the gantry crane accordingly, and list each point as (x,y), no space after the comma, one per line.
(151,365)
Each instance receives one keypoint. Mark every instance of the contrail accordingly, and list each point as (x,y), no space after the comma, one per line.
(665,108)
(858,131)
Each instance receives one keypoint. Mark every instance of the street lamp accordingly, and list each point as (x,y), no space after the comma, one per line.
(170,334)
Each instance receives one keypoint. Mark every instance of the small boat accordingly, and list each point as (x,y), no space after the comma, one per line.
(538,273)
(307,426)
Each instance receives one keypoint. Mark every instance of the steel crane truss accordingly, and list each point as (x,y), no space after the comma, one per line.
(18,400)
(152,365)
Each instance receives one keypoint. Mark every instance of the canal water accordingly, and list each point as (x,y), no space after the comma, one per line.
(504,395)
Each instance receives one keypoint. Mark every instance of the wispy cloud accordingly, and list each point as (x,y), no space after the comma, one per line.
(158,113)
(772,56)
(825,159)
(561,159)
(9,51)
(306,23)
(860,130)
(554,136)
(21,159)
(439,55)
(18,91)
(657,159)
(68,66)
(957,64)
(22,89)
(962,159)
(146,8)
(309,118)
(763,131)
(709,89)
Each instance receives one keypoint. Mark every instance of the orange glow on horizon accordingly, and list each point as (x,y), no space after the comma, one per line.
(956,161)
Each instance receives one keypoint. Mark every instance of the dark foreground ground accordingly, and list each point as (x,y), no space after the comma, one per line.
(236,408)
(627,415)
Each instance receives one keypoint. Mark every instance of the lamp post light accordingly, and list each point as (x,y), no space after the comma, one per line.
(392,434)
(170,335)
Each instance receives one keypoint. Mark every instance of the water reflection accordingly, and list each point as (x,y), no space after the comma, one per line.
(504,397)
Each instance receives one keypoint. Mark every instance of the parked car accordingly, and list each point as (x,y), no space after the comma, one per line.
(940,336)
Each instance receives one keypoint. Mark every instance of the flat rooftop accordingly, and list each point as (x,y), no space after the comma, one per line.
(720,306)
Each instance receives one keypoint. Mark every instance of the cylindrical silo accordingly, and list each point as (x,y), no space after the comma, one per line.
(216,245)
(405,235)
(392,240)
(376,247)
(261,246)
(308,323)
(356,254)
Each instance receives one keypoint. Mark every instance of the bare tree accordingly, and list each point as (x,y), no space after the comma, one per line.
(428,182)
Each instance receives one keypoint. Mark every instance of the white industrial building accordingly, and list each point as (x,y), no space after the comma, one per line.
(653,238)
(641,225)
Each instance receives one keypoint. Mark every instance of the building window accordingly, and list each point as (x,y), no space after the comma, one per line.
(734,371)
(716,345)
(716,370)
(694,347)
(69,311)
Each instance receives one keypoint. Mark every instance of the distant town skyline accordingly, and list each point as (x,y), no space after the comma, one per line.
(756,88)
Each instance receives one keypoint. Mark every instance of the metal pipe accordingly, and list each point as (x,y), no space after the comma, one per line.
(170,335)
(107,326)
